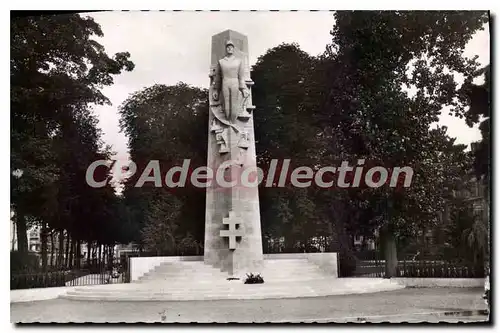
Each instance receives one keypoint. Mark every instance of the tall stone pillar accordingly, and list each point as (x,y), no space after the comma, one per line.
(233,240)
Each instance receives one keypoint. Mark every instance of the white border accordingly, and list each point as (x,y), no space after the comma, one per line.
(253,5)
(202,5)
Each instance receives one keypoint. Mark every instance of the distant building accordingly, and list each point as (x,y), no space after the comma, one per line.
(125,248)
(35,243)
(13,236)
(364,242)
(473,195)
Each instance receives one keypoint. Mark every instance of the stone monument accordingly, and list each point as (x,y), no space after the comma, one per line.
(233,240)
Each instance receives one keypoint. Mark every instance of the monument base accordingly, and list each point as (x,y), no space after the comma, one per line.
(275,267)
(291,275)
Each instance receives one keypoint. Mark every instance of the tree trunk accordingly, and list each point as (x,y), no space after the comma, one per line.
(104,255)
(99,255)
(487,220)
(289,243)
(71,251)
(22,235)
(43,240)
(111,256)
(89,249)
(390,252)
(60,249)
(52,249)
(364,243)
(66,258)
(78,253)
(93,255)
(347,259)
(12,244)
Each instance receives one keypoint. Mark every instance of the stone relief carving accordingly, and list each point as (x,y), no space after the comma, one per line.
(229,81)
(229,100)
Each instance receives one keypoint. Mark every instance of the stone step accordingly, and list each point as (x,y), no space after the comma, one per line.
(184,273)
(180,270)
(187,271)
(175,291)
(176,276)
(185,264)
(162,298)
(181,293)
(274,270)
(285,261)
(293,277)
(232,290)
(233,287)
(269,277)
(184,277)
(292,269)
(280,276)
(218,275)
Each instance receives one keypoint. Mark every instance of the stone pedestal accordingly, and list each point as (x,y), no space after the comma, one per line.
(233,240)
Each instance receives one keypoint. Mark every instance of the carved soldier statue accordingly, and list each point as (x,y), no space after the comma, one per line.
(230,81)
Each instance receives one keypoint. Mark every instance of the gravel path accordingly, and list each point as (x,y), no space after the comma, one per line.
(427,304)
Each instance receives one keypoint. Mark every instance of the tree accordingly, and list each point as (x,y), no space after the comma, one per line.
(287,94)
(478,99)
(374,55)
(167,124)
(466,234)
(57,71)
(159,232)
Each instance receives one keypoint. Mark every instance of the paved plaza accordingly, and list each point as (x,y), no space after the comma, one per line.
(405,305)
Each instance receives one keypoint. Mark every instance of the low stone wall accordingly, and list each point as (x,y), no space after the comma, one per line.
(38,294)
(440,282)
(141,265)
(327,261)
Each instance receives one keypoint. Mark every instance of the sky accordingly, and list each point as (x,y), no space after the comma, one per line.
(172,47)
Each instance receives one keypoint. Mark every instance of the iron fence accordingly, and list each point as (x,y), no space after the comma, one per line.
(38,280)
(64,279)
(419,268)
(437,269)
(98,273)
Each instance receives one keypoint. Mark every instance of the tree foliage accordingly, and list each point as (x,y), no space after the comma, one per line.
(288,94)
(376,55)
(167,124)
(57,72)
(373,95)
(478,99)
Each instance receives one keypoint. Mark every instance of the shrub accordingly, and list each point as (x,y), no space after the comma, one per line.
(38,280)
(346,264)
(23,262)
(367,255)
(254,279)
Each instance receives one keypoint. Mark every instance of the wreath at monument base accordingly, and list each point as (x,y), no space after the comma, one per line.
(253,279)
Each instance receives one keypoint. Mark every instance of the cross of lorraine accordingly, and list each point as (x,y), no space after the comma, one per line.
(233,230)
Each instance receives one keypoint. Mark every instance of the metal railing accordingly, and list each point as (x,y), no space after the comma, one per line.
(90,274)
(419,268)
(64,279)
(437,269)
